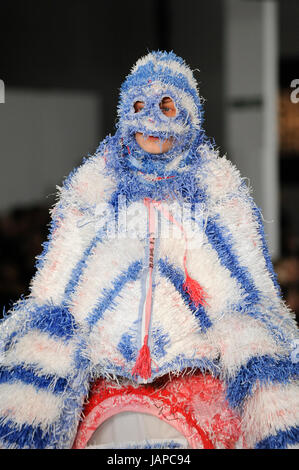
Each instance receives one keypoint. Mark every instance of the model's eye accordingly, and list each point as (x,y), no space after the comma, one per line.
(138,106)
(167,107)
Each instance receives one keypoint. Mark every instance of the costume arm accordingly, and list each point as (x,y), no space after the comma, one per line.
(264,386)
(258,335)
(44,373)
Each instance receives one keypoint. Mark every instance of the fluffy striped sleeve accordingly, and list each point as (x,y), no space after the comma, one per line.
(44,373)
(259,353)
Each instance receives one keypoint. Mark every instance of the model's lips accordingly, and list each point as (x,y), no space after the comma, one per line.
(149,137)
(143,138)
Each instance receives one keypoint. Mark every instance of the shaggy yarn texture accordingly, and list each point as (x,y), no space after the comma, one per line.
(155,264)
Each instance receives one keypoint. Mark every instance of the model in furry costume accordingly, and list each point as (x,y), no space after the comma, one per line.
(157,287)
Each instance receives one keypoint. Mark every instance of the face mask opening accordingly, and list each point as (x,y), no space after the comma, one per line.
(167,107)
(138,106)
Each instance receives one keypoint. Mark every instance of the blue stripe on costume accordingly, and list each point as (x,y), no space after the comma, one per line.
(127,347)
(108,296)
(220,239)
(158,344)
(78,269)
(160,341)
(19,373)
(177,278)
(146,72)
(56,321)
(280,440)
(25,435)
(265,369)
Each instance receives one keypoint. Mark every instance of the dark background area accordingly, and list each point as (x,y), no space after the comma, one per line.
(90,45)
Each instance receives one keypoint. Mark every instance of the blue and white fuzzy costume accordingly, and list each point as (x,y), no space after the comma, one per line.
(84,316)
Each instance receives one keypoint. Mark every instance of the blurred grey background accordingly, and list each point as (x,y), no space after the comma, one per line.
(61,66)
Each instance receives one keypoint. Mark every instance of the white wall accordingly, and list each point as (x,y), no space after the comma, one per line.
(251,90)
(43,135)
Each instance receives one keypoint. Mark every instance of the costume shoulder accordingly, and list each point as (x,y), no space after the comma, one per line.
(235,229)
(220,177)
(88,184)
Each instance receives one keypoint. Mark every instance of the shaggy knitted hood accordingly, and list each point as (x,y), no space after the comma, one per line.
(156,76)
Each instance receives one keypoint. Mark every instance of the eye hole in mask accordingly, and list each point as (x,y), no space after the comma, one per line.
(167,107)
(138,106)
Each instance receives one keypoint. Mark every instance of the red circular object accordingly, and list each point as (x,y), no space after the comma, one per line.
(194,404)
